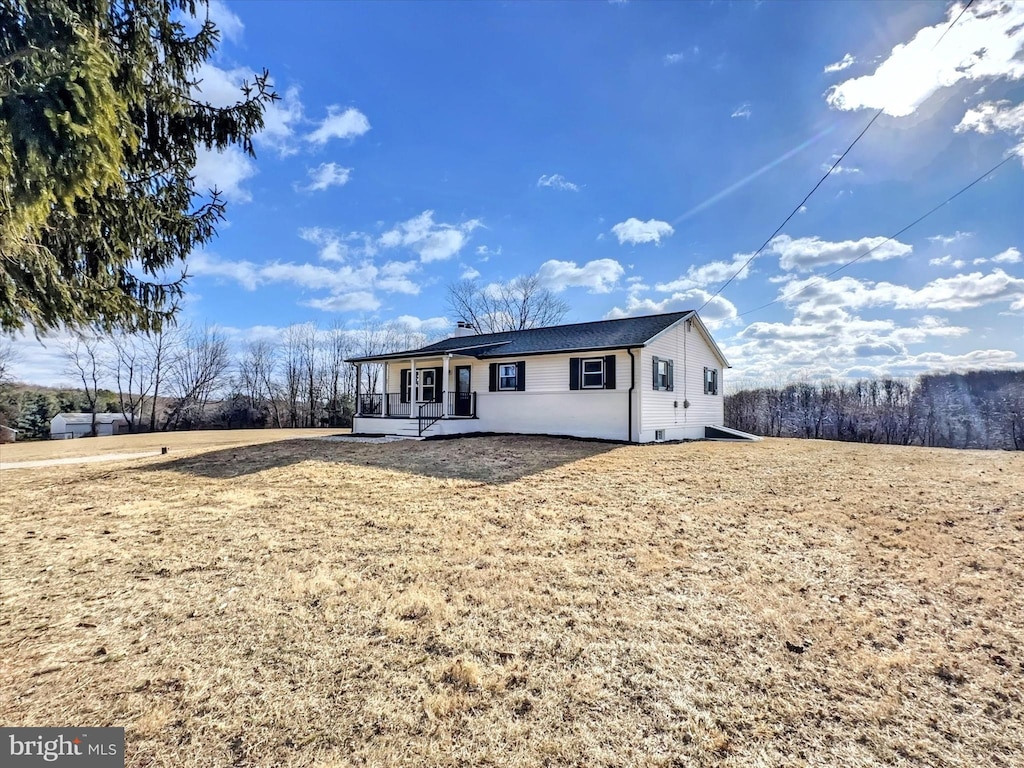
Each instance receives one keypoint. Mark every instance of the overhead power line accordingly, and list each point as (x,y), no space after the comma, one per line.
(821,181)
(891,237)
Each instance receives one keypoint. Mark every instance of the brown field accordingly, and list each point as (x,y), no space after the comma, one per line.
(176,442)
(523,601)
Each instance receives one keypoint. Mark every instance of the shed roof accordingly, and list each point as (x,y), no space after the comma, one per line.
(86,418)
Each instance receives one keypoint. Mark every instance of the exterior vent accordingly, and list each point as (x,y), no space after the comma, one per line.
(659,435)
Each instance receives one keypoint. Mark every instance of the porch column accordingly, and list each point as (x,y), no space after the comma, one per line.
(359,376)
(384,410)
(414,390)
(444,386)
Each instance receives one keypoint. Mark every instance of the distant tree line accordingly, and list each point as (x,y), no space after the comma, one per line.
(189,378)
(977,409)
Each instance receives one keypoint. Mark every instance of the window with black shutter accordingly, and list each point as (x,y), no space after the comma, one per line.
(507,377)
(662,374)
(710,381)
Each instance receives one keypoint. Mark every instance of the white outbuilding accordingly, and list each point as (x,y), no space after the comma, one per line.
(64,426)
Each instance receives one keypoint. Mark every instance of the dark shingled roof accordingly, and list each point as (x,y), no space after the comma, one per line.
(603,334)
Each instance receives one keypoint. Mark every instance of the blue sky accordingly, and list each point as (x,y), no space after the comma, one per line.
(635,154)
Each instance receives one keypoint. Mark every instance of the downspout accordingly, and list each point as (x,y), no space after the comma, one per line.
(632,386)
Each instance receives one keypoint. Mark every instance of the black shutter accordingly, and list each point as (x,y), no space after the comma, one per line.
(654,361)
(492,385)
(671,380)
(438,388)
(609,371)
(574,373)
(521,376)
(403,396)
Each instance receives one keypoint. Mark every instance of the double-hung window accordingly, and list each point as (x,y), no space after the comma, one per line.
(428,385)
(593,373)
(508,376)
(662,374)
(710,381)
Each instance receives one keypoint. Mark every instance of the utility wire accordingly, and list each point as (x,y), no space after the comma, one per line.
(821,181)
(794,212)
(893,236)
(969,4)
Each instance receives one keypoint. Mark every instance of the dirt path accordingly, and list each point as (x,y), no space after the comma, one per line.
(75,460)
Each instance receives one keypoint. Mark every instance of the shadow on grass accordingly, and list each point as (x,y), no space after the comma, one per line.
(493,459)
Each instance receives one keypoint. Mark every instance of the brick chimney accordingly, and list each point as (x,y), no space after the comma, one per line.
(462,328)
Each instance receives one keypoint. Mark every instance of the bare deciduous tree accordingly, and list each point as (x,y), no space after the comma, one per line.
(85,361)
(197,371)
(256,371)
(133,369)
(514,305)
(163,346)
(7,359)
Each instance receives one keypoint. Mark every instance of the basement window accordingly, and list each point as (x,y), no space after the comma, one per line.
(659,435)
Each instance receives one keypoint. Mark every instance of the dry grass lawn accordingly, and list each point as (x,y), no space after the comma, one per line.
(523,601)
(176,442)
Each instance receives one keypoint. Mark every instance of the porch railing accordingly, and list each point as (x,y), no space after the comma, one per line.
(370,404)
(462,404)
(459,404)
(429,413)
(396,407)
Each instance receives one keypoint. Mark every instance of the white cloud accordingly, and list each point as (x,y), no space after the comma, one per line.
(945,261)
(802,209)
(394,277)
(1009,256)
(718,312)
(226,21)
(598,276)
(712,273)
(743,110)
(223,88)
(839,168)
(226,171)
(469,273)
(557,181)
(331,246)
(347,124)
(844,63)
(983,45)
(347,286)
(805,253)
(995,116)
(280,120)
(484,252)
(430,325)
(433,241)
(634,231)
(956,237)
(355,301)
(680,56)
(327,175)
(955,293)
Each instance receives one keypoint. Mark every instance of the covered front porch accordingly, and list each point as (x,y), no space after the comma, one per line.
(423,389)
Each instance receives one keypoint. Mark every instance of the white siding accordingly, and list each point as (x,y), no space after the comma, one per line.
(547,406)
(690,353)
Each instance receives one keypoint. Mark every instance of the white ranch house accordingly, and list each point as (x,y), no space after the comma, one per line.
(638,379)
(64,426)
